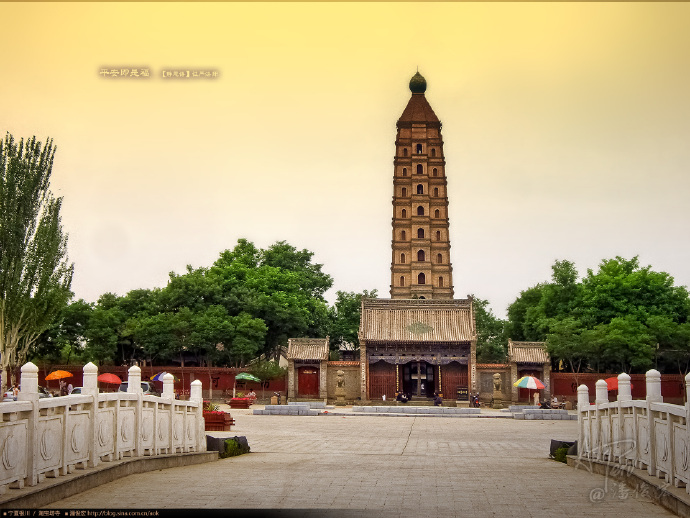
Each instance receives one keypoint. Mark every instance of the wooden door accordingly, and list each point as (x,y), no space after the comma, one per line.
(454,377)
(308,382)
(381,380)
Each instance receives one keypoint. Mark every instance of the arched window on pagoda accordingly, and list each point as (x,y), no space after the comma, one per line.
(419,149)
(439,259)
(402,258)
(402,281)
(420,211)
(440,282)
(438,235)
(433,151)
(435,172)
(404,173)
(435,192)
(420,256)
(420,189)
(420,169)
(404,151)
(421,278)
(403,192)
(403,236)
(437,213)
(403,213)
(420,233)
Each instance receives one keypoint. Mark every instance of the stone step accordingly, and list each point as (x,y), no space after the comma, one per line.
(414,409)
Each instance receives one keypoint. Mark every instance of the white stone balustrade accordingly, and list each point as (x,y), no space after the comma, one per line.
(51,437)
(646,434)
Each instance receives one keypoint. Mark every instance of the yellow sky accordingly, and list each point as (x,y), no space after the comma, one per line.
(565,129)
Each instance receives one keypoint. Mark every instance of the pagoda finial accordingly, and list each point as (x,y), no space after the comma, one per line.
(418,83)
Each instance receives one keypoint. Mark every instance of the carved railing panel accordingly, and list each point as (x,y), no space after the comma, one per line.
(53,436)
(647,434)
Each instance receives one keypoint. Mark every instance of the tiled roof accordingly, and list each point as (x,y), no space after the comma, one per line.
(418,320)
(528,352)
(418,109)
(307,349)
(493,365)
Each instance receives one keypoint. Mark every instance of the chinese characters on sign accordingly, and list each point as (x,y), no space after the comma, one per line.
(185,73)
(125,73)
(145,73)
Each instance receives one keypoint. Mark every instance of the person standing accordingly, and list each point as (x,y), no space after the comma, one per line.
(63,388)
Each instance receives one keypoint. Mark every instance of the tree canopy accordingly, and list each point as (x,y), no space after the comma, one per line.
(622,317)
(245,305)
(35,275)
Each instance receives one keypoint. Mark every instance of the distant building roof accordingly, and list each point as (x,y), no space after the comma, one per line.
(307,349)
(528,352)
(417,320)
(418,109)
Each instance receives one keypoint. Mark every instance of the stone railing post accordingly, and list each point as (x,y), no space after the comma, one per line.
(90,388)
(582,404)
(653,381)
(582,397)
(134,380)
(195,391)
(29,392)
(624,392)
(602,392)
(653,378)
(195,395)
(602,398)
(90,380)
(134,387)
(169,385)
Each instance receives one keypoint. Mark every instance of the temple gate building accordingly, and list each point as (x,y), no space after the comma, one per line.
(420,341)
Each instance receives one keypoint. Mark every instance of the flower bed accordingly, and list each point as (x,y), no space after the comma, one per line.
(240,402)
(218,421)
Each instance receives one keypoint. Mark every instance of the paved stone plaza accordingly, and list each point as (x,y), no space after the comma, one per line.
(383,466)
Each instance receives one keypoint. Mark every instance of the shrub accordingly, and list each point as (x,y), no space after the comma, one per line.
(211,407)
(232,449)
(560,454)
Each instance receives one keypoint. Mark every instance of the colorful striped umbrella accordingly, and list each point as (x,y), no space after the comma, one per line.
(159,376)
(529,382)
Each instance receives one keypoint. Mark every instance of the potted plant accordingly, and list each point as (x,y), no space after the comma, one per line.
(215,420)
(240,401)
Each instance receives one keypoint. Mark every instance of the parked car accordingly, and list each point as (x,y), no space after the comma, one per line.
(42,392)
(146,387)
(76,390)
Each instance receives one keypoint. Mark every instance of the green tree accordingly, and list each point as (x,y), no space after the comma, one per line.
(566,343)
(492,342)
(615,318)
(345,316)
(105,340)
(35,275)
(65,340)
(279,285)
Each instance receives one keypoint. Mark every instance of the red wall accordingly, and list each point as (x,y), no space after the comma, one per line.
(220,378)
(564,384)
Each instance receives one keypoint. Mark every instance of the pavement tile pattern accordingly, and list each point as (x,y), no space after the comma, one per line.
(355,465)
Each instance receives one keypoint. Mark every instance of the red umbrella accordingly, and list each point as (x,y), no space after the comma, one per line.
(612,383)
(107,377)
